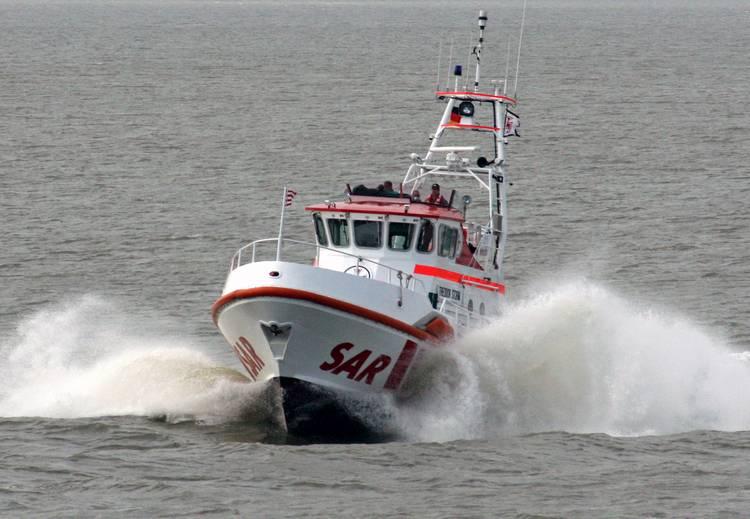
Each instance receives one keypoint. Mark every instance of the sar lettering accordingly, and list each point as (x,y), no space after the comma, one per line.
(249,358)
(358,367)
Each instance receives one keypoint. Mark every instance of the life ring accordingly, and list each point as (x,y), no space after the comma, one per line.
(358,270)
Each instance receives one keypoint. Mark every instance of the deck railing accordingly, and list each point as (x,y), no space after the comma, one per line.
(461,316)
(251,253)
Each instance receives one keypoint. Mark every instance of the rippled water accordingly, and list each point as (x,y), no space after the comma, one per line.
(142,143)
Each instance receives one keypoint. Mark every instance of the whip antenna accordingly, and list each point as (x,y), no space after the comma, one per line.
(468,60)
(450,65)
(520,39)
(507,65)
(440,55)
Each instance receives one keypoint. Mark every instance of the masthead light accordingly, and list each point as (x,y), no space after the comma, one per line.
(482,19)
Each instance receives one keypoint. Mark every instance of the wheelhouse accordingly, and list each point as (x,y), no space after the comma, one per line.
(356,235)
(387,234)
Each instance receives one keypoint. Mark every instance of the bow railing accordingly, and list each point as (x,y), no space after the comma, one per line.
(265,250)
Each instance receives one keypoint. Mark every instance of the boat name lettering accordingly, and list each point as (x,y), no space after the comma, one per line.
(249,358)
(449,293)
(355,367)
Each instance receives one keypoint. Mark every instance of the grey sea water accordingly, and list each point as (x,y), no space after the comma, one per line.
(141,143)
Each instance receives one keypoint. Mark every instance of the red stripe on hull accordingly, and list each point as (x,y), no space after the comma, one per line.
(402,365)
(336,304)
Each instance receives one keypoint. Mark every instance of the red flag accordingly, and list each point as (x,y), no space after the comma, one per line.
(455,115)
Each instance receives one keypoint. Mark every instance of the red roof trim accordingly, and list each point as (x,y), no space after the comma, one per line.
(417,210)
(471,127)
(457,277)
(477,95)
(336,304)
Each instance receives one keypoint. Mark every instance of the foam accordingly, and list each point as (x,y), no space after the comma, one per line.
(580,358)
(86,358)
(575,357)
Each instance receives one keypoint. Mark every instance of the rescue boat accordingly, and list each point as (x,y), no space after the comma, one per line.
(392,271)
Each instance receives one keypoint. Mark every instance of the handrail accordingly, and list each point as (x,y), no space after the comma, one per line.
(448,307)
(400,274)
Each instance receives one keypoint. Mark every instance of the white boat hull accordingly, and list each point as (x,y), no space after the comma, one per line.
(350,339)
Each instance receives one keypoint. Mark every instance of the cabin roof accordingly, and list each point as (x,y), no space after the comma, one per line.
(415,209)
(474,96)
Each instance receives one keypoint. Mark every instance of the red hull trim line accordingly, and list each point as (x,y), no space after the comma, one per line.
(336,304)
(456,277)
(402,365)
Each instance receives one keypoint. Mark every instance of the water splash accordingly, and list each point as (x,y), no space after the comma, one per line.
(87,358)
(576,357)
(581,359)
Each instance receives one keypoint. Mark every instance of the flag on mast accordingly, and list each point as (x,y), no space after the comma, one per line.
(286,200)
(512,125)
(289,197)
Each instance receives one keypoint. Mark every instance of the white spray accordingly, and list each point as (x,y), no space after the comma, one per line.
(576,358)
(85,359)
(580,359)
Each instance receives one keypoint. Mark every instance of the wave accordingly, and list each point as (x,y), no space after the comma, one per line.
(87,359)
(576,357)
(579,358)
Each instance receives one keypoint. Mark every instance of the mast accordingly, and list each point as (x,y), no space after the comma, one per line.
(450,161)
(478,49)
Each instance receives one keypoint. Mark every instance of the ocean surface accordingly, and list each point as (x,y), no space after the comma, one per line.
(143,142)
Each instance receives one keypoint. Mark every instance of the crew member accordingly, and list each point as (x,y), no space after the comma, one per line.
(388,189)
(435,197)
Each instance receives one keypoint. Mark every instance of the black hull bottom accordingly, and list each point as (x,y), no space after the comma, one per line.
(315,414)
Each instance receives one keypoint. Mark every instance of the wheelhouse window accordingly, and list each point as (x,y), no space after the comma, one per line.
(368,234)
(400,235)
(339,229)
(426,236)
(320,230)
(448,240)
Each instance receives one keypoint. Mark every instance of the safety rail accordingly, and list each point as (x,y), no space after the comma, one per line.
(403,280)
(460,315)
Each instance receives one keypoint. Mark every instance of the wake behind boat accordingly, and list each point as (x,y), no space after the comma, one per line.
(396,270)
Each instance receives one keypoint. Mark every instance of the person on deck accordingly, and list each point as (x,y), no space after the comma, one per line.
(388,189)
(435,197)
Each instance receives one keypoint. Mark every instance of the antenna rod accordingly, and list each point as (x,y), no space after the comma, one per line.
(478,49)
(468,59)
(520,39)
(450,65)
(507,64)
(440,55)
